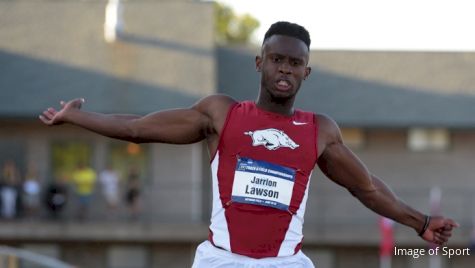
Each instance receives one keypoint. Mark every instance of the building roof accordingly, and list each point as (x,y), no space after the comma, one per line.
(29,85)
(353,92)
(372,89)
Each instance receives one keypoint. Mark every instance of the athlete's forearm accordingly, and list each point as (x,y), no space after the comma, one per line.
(117,126)
(384,202)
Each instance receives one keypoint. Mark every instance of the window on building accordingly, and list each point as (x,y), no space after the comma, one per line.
(13,150)
(66,155)
(127,157)
(424,139)
(353,137)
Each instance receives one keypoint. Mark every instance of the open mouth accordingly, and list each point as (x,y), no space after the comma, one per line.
(283,85)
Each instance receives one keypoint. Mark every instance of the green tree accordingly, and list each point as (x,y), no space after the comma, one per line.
(231,28)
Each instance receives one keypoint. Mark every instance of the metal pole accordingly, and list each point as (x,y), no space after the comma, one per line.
(435,198)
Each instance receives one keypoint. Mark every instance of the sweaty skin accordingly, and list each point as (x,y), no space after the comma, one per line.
(283,66)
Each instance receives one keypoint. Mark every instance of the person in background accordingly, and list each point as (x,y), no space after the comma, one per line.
(31,191)
(9,192)
(109,180)
(132,195)
(56,197)
(84,180)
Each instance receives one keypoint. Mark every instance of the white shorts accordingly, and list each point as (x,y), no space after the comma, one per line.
(208,256)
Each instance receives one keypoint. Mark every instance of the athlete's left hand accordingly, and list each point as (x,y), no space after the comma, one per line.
(439,230)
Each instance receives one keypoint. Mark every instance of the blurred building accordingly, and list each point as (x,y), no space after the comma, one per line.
(408,115)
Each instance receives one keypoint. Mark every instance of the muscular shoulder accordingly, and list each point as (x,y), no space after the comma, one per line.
(328,132)
(214,102)
(215,108)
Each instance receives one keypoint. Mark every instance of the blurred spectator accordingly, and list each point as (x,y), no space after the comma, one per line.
(84,179)
(56,197)
(132,196)
(9,193)
(31,193)
(109,179)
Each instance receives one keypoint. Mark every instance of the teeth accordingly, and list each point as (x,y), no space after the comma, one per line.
(283,83)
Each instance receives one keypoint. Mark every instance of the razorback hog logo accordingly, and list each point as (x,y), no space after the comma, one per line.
(271,138)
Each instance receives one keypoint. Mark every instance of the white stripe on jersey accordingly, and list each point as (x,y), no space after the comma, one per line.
(294,234)
(218,226)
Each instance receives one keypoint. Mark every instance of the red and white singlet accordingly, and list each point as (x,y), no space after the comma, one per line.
(261,173)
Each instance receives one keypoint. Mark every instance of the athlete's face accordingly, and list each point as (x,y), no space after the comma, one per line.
(283,66)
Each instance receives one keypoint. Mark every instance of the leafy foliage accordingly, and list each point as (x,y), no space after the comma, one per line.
(231,28)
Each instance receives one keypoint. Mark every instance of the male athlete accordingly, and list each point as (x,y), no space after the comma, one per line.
(262,155)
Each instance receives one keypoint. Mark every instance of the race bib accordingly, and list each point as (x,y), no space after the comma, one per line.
(263,183)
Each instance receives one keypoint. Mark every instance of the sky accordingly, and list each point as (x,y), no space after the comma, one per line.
(428,25)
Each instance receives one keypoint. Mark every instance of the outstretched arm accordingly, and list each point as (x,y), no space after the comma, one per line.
(339,164)
(178,126)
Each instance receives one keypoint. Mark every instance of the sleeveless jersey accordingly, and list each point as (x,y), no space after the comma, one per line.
(261,173)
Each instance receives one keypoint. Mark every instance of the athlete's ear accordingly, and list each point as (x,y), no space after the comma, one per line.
(258,63)
(308,70)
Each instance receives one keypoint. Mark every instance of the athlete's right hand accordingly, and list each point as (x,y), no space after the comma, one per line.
(52,117)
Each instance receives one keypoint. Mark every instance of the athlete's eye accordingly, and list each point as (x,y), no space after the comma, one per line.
(296,62)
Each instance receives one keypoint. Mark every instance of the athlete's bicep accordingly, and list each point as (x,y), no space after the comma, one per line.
(339,163)
(182,126)
(177,126)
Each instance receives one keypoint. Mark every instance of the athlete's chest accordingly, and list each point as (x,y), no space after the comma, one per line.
(286,141)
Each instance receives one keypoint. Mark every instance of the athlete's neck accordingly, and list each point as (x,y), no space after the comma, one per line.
(278,106)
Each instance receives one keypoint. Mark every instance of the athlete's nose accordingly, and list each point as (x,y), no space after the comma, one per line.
(285,68)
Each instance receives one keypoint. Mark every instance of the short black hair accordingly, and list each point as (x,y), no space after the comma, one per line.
(288,29)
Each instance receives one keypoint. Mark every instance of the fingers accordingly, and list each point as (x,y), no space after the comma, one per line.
(44,120)
(446,233)
(48,116)
(77,103)
(51,117)
(451,223)
(49,113)
(81,101)
(443,234)
(440,230)
(439,239)
(441,222)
